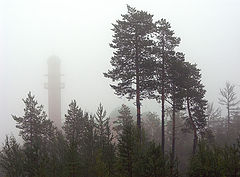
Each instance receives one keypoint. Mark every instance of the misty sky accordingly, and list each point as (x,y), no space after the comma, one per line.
(79,32)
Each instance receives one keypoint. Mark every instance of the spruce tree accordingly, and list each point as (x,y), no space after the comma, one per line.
(104,141)
(126,142)
(89,146)
(35,129)
(101,125)
(74,132)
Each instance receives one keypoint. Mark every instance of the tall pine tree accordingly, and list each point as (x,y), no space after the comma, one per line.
(131,58)
(195,101)
(165,43)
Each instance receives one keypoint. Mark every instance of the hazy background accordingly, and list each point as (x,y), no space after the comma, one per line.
(79,32)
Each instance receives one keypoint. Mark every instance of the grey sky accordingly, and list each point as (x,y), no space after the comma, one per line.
(79,33)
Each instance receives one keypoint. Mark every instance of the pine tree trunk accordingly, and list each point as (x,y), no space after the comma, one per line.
(195,138)
(173,136)
(163,99)
(138,93)
(228,119)
(173,130)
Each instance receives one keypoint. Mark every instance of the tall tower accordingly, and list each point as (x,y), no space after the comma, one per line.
(54,87)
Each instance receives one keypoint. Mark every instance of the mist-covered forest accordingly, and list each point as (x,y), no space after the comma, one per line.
(190,137)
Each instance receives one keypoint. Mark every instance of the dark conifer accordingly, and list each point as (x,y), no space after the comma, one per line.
(104,142)
(74,132)
(165,43)
(131,58)
(196,103)
(12,158)
(36,131)
(126,142)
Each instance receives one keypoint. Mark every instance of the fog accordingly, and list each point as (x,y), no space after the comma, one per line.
(79,33)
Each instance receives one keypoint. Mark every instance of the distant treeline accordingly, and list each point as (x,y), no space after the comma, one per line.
(95,146)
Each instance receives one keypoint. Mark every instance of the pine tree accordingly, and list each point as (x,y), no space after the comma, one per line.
(74,132)
(196,104)
(176,92)
(131,57)
(34,129)
(165,44)
(31,125)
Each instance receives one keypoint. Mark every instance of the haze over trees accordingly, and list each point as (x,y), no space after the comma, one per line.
(192,137)
(163,73)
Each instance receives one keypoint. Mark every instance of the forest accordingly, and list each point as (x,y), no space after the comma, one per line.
(192,137)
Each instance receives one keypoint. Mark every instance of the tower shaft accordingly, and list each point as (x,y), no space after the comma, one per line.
(54,91)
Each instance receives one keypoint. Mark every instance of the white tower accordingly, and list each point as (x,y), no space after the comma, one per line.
(54,87)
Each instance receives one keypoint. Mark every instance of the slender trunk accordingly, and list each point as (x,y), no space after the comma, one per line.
(228,119)
(173,129)
(163,99)
(163,134)
(138,109)
(195,139)
(138,93)
(173,134)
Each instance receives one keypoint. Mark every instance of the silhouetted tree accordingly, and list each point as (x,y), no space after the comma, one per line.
(101,126)
(131,59)
(165,43)
(35,129)
(176,92)
(104,140)
(74,126)
(229,99)
(196,104)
